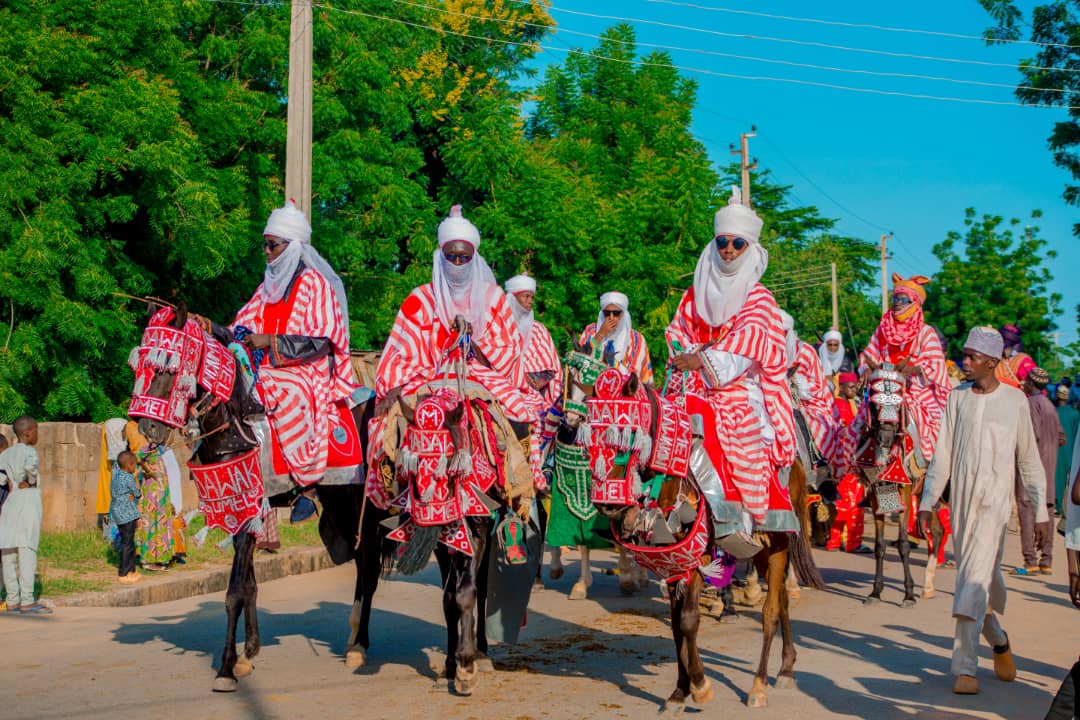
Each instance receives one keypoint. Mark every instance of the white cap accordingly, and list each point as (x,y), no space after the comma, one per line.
(456,227)
(737,219)
(288,223)
(520,283)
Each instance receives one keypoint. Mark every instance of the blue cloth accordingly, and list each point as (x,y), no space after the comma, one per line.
(123,509)
(1074,394)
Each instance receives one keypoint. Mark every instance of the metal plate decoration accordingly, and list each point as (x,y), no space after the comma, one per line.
(886,387)
(888,498)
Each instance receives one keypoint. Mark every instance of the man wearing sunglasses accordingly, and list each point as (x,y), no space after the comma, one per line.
(298,319)
(613,337)
(728,352)
(904,336)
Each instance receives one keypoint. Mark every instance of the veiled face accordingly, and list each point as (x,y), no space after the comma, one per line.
(273,246)
(730,247)
(525,299)
(458,252)
(833,346)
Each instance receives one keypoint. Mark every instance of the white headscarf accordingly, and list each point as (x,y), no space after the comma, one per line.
(620,339)
(720,288)
(831,361)
(461,289)
(524,318)
(791,338)
(289,223)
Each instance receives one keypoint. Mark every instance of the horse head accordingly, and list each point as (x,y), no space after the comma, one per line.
(582,369)
(187,379)
(886,423)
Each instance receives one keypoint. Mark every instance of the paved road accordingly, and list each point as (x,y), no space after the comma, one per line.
(607,657)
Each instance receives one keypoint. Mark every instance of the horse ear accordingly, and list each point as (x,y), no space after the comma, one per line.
(453,418)
(151,309)
(406,410)
(632,384)
(181,316)
(582,348)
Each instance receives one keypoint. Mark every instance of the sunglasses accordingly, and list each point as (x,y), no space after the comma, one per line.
(272,245)
(458,258)
(612,313)
(737,243)
(901,300)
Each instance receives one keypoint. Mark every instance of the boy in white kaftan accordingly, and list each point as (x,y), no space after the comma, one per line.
(986,433)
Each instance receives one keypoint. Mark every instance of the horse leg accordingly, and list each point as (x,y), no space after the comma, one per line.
(786,677)
(752,591)
(879,557)
(627,580)
(368,561)
(243,547)
(690,620)
(483,662)
(934,552)
(448,572)
(904,548)
(676,702)
(581,588)
(555,569)
(252,644)
(465,596)
(772,563)
(792,583)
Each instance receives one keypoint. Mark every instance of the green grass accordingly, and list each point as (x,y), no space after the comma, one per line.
(76,561)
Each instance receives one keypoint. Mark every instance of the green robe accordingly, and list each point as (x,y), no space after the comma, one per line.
(1070,420)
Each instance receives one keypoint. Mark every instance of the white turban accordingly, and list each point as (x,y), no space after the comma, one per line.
(620,339)
(520,283)
(289,223)
(524,318)
(831,361)
(985,340)
(721,288)
(456,227)
(464,290)
(791,338)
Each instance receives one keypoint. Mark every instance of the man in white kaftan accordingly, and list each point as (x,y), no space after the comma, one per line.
(986,432)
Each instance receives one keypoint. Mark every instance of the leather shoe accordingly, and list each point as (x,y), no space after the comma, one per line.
(966,685)
(1004,667)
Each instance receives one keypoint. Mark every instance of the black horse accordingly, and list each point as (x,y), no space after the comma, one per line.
(349,526)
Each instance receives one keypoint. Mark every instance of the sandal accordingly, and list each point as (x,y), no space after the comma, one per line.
(38,609)
(1025,571)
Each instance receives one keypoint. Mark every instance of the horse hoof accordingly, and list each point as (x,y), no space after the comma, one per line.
(484,664)
(355,658)
(672,709)
(243,667)
(579,591)
(627,586)
(702,693)
(555,573)
(464,681)
(908,603)
(794,593)
(757,699)
(785,682)
(224,684)
(928,593)
(871,601)
(716,609)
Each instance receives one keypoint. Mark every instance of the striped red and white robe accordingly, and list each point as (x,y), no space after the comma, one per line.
(300,397)
(636,358)
(816,401)
(540,355)
(925,396)
(755,333)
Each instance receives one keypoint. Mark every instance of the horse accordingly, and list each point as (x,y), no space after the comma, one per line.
(885,459)
(632,522)
(223,424)
(450,465)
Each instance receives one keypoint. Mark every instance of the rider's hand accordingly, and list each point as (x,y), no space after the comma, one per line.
(607,327)
(687,362)
(462,326)
(912,371)
(257,341)
(206,324)
(925,517)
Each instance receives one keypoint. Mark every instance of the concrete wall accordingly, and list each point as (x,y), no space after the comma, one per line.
(70,462)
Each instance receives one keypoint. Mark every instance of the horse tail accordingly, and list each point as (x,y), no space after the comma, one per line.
(416,554)
(802,558)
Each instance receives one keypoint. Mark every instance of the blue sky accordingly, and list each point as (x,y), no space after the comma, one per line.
(872,161)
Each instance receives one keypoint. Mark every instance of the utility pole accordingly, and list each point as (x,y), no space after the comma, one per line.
(747,164)
(298,134)
(884,274)
(835,301)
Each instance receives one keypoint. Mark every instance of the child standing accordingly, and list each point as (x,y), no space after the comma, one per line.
(124,511)
(20,522)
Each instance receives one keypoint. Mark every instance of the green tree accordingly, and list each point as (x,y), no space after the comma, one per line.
(993,274)
(1052,76)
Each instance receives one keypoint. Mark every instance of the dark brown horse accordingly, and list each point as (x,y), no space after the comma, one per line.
(225,430)
(886,460)
(771,562)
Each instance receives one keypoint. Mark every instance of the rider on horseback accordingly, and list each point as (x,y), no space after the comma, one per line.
(613,338)
(297,326)
(727,339)
(812,397)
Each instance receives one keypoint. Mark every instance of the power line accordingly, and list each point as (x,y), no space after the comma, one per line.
(735,56)
(860,26)
(672,66)
(810,43)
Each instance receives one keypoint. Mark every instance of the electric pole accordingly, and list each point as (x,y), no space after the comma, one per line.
(747,163)
(298,134)
(835,301)
(884,274)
